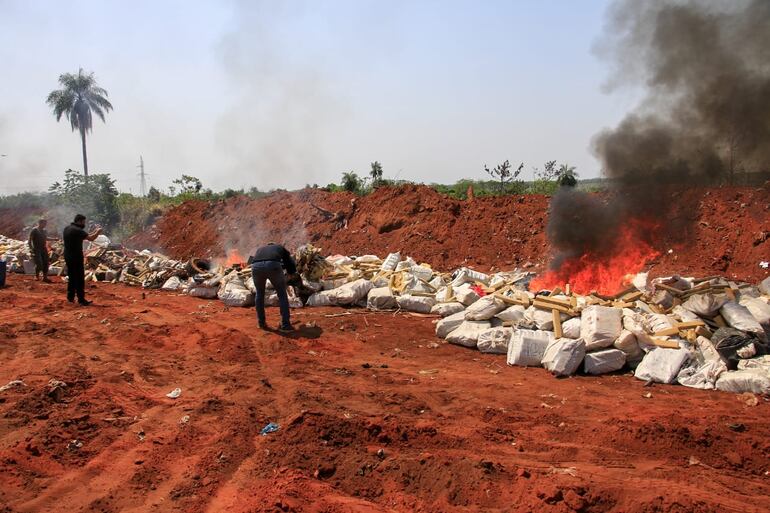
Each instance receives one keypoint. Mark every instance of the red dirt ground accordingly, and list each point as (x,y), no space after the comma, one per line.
(458,430)
(724,231)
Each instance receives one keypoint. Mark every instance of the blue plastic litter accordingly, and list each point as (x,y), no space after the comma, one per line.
(270,428)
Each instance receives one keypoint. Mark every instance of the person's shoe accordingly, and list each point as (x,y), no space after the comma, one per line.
(262,325)
(85,302)
(286,329)
(71,299)
(47,280)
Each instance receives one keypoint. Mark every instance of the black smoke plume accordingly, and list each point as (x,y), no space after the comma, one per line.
(705,118)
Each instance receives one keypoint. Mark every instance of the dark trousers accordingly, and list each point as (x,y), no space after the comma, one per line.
(41,263)
(76,284)
(261,272)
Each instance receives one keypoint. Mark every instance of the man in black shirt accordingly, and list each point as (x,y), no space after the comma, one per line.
(267,264)
(73,236)
(38,247)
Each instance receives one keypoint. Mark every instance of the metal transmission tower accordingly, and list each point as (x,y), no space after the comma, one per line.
(143,182)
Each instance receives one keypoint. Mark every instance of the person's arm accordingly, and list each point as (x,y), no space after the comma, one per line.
(288,262)
(94,234)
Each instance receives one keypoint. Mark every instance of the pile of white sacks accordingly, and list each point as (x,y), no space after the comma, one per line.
(639,336)
(664,333)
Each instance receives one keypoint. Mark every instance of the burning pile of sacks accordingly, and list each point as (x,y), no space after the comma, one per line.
(702,333)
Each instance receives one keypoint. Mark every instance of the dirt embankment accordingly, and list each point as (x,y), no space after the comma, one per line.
(375,415)
(723,230)
(13,221)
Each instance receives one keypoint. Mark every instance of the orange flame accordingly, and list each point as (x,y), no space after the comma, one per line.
(234,257)
(604,274)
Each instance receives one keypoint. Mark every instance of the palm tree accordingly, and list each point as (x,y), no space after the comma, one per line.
(79,96)
(566,176)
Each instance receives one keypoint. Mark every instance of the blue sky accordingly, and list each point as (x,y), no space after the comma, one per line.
(280,94)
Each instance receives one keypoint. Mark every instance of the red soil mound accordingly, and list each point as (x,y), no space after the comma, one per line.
(14,220)
(723,230)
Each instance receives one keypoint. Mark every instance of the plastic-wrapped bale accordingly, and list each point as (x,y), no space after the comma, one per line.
(600,326)
(740,318)
(381,299)
(764,286)
(323,298)
(421,272)
(233,291)
(368,259)
(684,314)
(173,283)
(759,310)
(661,365)
(704,305)
(406,264)
(756,381)
(206,290)
(604,361)
(663,299)
(466,295)
(513,314)
(760,362)
(352,292)
(484,309)
(571,328)
(655,323)
(446,309)
(448,324)
(527,347)
(707,352)
(627,343)
(702,376)
(415,284)
(390,262)
(494,340)
(563,356)
(333,284)
(541,319)
(467,334)
(465,275)
(233,294)
(420,304)
(445,295)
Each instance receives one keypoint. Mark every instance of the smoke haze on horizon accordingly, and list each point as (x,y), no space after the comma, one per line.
(272,94)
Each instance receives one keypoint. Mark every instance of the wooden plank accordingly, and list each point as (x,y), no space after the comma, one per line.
(557,323)
(667,332)
(707,278)
(703,331)
(690,324)
(505,299)
(555,292)
(631,297)
(668,288)
(720,321)
(550,306)
(554,301)
(668,344)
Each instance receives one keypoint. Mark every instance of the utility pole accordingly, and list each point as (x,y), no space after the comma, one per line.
(143,182)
